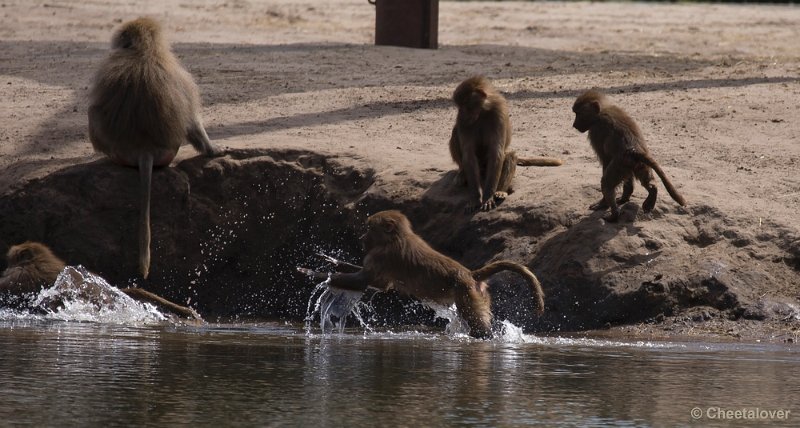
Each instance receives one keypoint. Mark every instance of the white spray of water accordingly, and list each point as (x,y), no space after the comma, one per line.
(510,333)
(85,296)
(456,326)
(506,331)
(333,306)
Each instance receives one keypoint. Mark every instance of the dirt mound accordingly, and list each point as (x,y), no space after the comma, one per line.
(228,233)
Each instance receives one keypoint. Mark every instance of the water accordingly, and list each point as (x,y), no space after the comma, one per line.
(333,306)
(123,364)
(85,296)
(70,373)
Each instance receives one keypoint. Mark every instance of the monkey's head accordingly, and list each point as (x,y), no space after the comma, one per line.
(139,34)
(385,228)
(471,97)
(31,266)
(29,253)
(587,109)
(24,253)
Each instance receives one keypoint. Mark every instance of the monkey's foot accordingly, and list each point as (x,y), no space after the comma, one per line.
(649,203)
(599,206)
(612,217)
(488,205)
(623,200)
(214,151)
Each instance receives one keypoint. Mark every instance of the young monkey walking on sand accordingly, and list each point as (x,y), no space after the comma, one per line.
(621,149)
(143,106)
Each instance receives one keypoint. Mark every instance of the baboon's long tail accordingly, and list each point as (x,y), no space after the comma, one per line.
(145,177)
(539,162)
(503,265)
(143,295)
(646,158)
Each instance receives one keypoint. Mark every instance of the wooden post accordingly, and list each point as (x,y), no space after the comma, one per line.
(410,23)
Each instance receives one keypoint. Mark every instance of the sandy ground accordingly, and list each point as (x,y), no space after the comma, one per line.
(714,88)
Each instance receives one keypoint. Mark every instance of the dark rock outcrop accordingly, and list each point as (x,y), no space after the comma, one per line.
(228,233)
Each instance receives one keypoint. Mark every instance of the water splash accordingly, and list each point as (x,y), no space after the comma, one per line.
(80,295)
(333,305)
(456,326)
(510,333)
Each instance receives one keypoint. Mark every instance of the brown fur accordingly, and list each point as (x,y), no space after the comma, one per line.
(397,258)
(479,144)
(32,266)
(143,106)
(622,151)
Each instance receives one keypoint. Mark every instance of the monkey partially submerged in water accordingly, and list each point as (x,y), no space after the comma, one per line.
(32,267)
(143,106)
(397,258)
(621,149)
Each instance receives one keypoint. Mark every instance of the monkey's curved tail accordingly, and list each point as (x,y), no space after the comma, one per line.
(505,265)
(539,162)
(145,177)
(647,159)
(143,295)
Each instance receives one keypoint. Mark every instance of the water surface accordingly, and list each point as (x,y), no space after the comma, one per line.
(68,373)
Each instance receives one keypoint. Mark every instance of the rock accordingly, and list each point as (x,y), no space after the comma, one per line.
(228,233)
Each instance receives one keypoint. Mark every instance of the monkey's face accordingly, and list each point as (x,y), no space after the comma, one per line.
(471,101)
(382,229)
(377,235)
(585,115)
(472,106)
(369,240)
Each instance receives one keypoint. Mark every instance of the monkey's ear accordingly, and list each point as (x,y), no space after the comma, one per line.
(389,226)
(595,106)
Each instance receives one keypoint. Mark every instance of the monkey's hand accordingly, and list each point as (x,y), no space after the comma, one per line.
(316,276)
(357,281)
(340,263)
